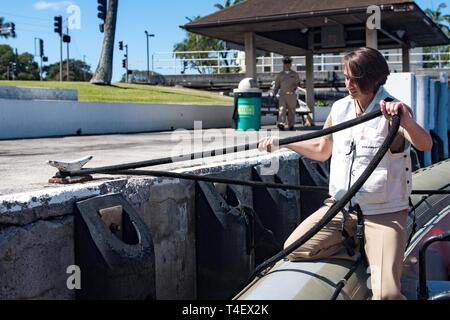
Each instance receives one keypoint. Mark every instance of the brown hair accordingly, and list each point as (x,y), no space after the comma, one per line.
(368,67)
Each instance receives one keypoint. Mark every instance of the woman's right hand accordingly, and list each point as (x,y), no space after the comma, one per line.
(268,144)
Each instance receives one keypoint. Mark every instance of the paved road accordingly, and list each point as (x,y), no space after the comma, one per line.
(23,162)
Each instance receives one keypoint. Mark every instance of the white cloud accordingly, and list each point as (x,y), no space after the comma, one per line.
(45,5)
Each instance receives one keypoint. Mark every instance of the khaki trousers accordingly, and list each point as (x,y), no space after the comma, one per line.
(385,241)
(287,103)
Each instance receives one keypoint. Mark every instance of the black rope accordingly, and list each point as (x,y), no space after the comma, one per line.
(414,222)
(178,175)
(414,207)
(249,183)
(339,205)
(212,153)
(341,284)
(430,192)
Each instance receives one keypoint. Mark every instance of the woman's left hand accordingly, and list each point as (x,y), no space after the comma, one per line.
(392,108)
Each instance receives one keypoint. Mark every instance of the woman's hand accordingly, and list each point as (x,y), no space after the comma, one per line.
(392,108)
(268,144)
(414,133)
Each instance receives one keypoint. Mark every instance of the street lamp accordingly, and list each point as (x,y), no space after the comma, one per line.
(147,35)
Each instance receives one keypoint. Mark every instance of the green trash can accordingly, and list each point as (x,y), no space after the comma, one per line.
(247,104)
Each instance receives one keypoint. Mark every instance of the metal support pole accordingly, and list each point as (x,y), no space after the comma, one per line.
(35,52)
(126,52)
(84,73)
(68,68)
(40,70)
(60,57)
(148,58)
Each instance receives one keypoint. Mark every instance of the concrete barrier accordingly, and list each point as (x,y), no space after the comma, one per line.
(36,238)
(35,119)
(31,119)
(32,93)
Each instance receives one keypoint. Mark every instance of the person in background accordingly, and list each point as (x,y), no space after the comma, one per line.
(286,83)
(383,199)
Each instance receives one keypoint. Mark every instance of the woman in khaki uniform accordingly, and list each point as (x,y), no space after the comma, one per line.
(383,199)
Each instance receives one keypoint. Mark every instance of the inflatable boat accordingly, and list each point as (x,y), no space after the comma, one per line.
(426,272)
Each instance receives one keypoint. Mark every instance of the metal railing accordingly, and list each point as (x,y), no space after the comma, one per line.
(233,61)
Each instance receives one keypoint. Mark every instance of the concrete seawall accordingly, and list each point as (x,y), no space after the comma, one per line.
(37,240)
(21,119)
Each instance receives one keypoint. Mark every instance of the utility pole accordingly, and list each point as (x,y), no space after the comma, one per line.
(148,35)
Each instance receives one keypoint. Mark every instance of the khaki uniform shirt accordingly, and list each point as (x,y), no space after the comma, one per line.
(287,83)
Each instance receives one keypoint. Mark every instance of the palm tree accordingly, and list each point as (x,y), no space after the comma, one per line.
(103,73)
(5,35)
(224,55)
(228,3)
(441,20)
(438,53)
(195,42)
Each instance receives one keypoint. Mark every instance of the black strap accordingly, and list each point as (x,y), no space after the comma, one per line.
(360,228)
(348,242)
(414,222)
(360,236)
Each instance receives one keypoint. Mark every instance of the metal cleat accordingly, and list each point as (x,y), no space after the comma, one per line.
(66,166)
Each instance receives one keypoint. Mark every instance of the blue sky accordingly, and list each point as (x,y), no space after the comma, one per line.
(34,18)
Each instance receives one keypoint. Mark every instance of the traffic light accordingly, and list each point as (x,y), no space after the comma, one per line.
(58,25)
(120,45)
(45,59)
(124,63)
(41,47)
(13,29)
(66,38)
(102,4)
(14,67)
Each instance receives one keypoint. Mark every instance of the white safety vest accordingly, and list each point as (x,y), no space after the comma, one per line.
(388,188)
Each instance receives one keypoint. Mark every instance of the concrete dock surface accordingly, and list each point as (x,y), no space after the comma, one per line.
(24,168)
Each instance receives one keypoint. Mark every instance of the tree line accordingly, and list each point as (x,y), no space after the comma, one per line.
(14,66)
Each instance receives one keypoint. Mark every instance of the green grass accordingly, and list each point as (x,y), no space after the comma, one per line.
(135,93)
